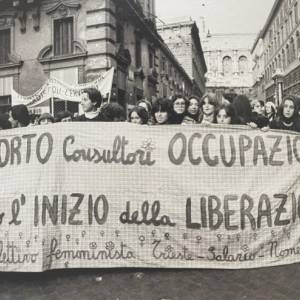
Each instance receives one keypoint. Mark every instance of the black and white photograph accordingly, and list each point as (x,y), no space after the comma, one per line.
(149,149)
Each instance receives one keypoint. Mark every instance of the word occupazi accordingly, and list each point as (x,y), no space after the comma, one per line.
(234,150)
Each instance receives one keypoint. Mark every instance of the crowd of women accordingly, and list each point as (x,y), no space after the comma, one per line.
(178,110)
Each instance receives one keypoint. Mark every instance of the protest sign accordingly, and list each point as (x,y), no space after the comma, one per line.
(111,195)
(53,88)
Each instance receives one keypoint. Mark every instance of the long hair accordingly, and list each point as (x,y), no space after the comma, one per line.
(212,99)
(161,105)
(242,107)
(196,116)
(296,106)
(273,110)
(230,112)
(141,112)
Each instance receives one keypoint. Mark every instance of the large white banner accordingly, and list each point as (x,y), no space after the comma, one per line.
(53,88)
(109,195)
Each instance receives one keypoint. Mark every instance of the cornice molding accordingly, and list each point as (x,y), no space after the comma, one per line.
(63,8)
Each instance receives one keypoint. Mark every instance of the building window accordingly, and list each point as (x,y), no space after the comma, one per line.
(292,51)
(227,65)
(298,42)
(291,21)
(4,46)
(243,64)
(279,61)
(120,34)
(138,51)
(5,104)
(283,59)
(63,36)
(163,64)
(287,55)
(296,13)
(151,57)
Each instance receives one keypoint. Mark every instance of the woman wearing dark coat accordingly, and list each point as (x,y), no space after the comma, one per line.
(179,106)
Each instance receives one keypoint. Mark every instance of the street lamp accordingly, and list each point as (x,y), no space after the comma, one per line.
(278,80)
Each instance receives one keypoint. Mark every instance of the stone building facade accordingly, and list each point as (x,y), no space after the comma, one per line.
(182,37)
(229,63)
(257,51)
(281,43)
(75,40)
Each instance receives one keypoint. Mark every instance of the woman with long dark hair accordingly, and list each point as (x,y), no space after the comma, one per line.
(288,115)
(138,115)
(225,114)
(193,111)
(242,109)
(161,111)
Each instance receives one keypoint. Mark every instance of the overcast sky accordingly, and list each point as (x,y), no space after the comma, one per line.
(221,16)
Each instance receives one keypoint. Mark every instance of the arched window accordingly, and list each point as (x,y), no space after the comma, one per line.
(243,64)
(287,55)
(227,65)
(279,62)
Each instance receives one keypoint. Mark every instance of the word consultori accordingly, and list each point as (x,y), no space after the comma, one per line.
(230,150)
(235,212)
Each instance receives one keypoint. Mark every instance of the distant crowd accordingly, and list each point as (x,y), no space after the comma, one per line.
(178,110)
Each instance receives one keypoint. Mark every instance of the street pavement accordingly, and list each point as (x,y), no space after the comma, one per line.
(153,284)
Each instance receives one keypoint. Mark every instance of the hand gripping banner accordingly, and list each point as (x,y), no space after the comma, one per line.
(105,195)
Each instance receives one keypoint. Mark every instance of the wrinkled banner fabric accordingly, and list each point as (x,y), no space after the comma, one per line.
(122,195)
